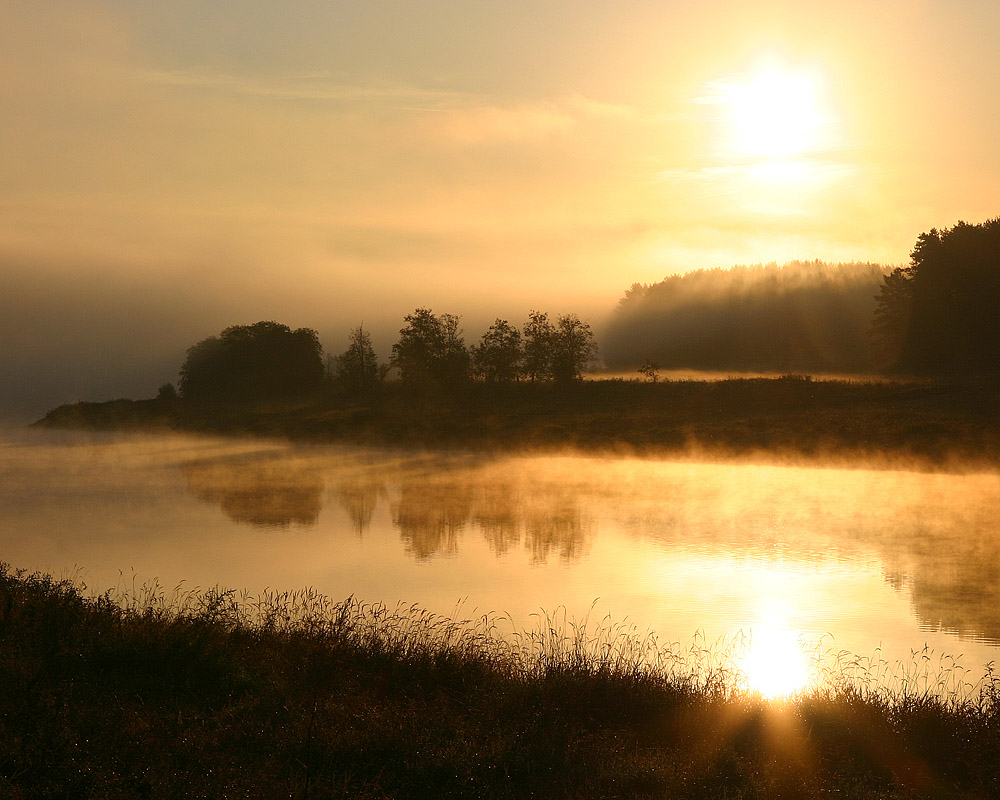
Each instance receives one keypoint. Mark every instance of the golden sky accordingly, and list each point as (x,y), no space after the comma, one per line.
(200,163)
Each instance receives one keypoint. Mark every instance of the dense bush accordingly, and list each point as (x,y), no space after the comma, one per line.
(263,361)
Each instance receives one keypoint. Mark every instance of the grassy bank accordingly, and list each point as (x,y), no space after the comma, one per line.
(926,424)
(295,696)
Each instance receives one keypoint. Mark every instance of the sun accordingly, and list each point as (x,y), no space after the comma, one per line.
(774,112)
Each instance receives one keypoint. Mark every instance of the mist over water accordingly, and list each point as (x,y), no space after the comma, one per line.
(860,560)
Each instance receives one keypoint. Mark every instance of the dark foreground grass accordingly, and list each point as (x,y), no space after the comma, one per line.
(205,696)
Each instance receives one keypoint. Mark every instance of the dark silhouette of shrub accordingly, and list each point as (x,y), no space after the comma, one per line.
(649,370)
(263,361)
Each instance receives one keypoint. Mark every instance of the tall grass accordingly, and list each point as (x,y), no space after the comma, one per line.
(148,693)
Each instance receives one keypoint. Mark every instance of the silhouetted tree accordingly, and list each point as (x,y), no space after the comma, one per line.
(357,369)
(262,361)
(892,317)
(573,348)
(942,313)
(497,357)
(650,370)
(538,334)
(430,350)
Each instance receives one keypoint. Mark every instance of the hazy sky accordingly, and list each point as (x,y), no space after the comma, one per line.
(170,168)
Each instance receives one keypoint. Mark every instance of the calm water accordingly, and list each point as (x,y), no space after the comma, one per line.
(864,561)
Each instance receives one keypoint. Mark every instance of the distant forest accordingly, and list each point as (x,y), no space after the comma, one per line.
(801,316)
(939,315)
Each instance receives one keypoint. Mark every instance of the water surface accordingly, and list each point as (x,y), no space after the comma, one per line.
(872,562)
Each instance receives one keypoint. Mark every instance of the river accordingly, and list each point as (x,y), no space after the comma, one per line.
(891,566)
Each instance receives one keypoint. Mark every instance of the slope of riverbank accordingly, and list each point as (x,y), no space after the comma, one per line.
(927,425)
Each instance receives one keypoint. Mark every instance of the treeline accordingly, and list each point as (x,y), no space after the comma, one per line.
(938,315)
(801,316)
(941,314)
(268,360)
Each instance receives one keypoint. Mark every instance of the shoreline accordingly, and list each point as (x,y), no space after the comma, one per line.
(927,426)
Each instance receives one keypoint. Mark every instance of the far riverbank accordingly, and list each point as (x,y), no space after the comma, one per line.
(924,425)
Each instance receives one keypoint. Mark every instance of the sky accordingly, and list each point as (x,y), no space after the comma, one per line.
(169,169)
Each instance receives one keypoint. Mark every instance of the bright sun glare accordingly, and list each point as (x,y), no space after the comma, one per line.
(775,664)
(774,112)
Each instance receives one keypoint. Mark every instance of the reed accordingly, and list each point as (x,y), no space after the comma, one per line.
(145,692)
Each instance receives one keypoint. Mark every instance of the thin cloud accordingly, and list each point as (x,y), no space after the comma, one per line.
(494,123)
(304,86)
(793,170)
(462,118)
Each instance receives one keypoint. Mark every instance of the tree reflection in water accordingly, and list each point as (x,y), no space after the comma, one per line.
(431,506)
(497,517)
(432,511)
(430,514)
(956,587)
(936,536)
(268,493)
(359,498)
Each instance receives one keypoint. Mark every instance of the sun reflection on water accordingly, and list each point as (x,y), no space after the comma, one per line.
(776,664)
